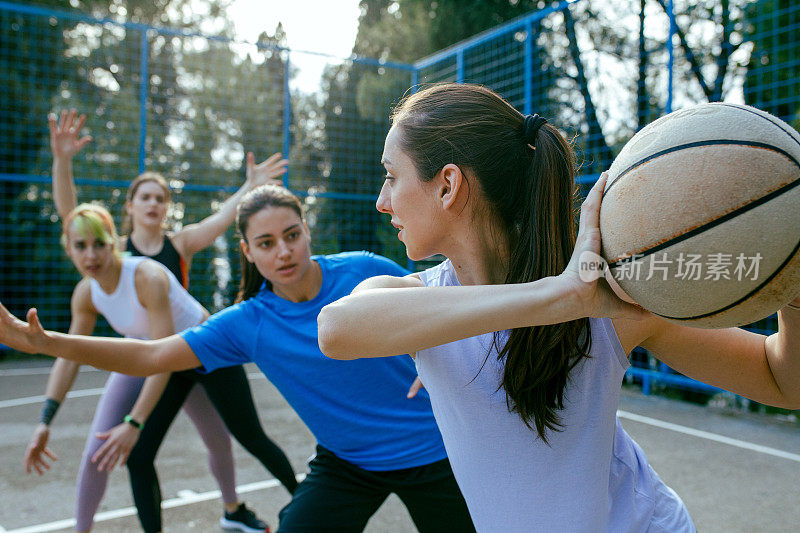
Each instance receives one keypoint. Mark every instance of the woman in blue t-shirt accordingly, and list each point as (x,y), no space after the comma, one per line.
(372,439)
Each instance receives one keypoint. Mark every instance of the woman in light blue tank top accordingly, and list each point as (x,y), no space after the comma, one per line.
(522,353)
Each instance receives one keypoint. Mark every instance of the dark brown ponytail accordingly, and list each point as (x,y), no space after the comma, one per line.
(253,202)
(529,182)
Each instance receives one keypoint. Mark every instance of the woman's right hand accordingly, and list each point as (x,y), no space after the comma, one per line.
(37,451)
(28,337)
(64,141)
(587,271)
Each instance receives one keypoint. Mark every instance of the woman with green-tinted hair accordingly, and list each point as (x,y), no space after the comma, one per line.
(140,298)
(146,207)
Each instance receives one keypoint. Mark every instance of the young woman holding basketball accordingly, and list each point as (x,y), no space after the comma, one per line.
(226,391)
(373,440)
(524,359)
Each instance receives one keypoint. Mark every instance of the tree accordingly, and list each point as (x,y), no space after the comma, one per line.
(359,98)
(54,62)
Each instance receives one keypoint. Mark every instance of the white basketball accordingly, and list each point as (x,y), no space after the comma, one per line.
(700,218)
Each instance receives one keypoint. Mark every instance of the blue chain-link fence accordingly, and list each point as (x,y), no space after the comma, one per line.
(190,105)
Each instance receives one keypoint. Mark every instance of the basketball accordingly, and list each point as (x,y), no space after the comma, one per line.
(700,218)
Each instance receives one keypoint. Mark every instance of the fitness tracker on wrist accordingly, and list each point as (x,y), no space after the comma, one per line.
(135,423)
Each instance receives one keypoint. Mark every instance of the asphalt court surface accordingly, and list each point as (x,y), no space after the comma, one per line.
(736,472)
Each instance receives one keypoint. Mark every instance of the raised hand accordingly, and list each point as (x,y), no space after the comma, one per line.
(64,141)
(268,171)
(37,452)
(119,441)
(28,337)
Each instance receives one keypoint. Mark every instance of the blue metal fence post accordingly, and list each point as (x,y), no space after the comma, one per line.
(671,54)
(287,116)
(528,104)
(144,59)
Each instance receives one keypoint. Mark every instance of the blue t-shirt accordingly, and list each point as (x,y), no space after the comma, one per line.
(356,409)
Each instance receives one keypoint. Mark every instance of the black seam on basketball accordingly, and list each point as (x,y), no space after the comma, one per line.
(743,298)
(768,119)
(700,229)
(708,142)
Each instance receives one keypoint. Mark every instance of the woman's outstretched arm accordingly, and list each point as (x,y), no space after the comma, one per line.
(389,316)
(128,356)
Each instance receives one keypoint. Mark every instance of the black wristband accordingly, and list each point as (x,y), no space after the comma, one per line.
(130,420)
(49,411)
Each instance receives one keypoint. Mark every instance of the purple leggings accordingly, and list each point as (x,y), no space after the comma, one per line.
(118,397)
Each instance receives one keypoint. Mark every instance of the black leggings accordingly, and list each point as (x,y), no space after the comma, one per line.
(339,497)
(229,391)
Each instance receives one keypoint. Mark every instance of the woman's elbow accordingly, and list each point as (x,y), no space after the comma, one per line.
(790,402)
(332,335)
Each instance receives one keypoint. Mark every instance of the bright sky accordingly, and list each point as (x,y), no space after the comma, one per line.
(327,26)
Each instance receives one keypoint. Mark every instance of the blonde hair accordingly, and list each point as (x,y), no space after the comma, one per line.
(93,220)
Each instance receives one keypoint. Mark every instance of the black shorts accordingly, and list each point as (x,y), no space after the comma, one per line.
(339,496)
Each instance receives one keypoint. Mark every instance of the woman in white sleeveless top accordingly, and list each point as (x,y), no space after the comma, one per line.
(522,358)
(141,299)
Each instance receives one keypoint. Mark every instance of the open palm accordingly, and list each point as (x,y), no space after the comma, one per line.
(64,141)
(268,171)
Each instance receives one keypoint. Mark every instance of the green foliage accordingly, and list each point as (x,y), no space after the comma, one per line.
(360,97)
(207,102)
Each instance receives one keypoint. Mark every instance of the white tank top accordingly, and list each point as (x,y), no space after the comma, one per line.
(125,313)
(591,478)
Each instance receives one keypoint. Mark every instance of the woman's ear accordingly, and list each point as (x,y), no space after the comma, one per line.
(452,186)
(246,250)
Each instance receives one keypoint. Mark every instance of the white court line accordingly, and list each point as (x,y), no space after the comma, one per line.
(37,399)
(16,402)
(709,436)
(622,414)
(186,497)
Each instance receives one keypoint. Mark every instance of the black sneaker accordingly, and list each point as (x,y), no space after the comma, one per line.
(243,519)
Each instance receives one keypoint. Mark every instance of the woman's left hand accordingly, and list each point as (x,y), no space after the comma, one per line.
(586,271)
(268,171)
(119,441)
